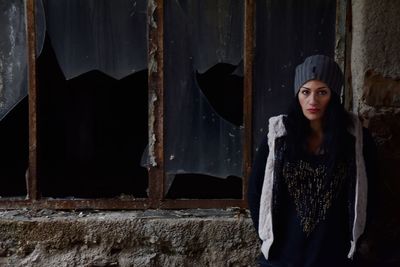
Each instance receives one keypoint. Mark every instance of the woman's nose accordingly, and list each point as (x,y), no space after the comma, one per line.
(313,99)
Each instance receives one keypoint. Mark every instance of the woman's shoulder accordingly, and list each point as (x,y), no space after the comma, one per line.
(277,118)
(276,126)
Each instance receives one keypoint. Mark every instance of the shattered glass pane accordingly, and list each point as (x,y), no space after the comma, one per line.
(13,55)
(93,128)
(198,36)
(214,30)
(287,32)
(13,52)
(40,26)
(98,35)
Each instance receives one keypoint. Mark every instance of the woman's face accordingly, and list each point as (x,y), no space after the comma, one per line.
(314,97)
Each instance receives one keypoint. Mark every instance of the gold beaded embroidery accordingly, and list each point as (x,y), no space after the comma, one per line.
(312,195)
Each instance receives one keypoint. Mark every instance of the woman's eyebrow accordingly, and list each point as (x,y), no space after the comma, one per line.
(323,87)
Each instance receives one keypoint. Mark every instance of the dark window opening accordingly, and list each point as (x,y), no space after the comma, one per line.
(92,132)
(14,138)
(224,90)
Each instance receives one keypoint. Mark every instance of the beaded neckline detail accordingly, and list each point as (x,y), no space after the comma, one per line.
(313,193)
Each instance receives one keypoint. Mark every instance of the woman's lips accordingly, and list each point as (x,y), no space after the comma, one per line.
(313,110)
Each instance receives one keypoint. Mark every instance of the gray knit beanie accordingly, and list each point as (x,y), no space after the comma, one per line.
(319,67)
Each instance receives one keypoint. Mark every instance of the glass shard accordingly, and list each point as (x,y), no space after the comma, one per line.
(200,35)
(13,51)
(40,27)
(105,35)
(13,55)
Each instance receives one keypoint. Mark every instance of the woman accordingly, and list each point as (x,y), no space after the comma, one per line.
(308,187)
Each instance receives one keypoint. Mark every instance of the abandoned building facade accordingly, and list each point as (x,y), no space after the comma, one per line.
(128,127)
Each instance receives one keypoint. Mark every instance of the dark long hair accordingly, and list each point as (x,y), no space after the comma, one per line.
(335,125)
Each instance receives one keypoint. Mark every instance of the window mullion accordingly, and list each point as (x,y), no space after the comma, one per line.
(155,14)
(32,188)
(248,91)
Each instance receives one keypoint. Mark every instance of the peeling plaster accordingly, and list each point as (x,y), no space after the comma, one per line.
(153,67)
(152,64)
(152,6)
(152,142)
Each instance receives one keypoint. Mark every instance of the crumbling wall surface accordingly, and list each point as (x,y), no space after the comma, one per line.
(134,238)
(375,42)
(375,70)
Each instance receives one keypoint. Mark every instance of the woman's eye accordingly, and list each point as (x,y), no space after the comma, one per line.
(322,92)
(305,92)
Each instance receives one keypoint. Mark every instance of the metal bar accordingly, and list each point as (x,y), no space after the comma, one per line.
(32,189)
(249,8)
(202,203)
(14,203)
(65,204)
(155,24)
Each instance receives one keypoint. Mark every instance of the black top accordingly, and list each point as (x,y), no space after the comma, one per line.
(312,215)
(311,218)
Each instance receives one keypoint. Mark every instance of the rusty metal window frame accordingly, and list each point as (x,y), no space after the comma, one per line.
(155,200)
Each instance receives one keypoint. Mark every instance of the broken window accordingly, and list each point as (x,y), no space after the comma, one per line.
(203,98)
(92,80)
(13,88)
(90,117)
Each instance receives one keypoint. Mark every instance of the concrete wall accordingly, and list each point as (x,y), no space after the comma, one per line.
(150,238)
(375,70)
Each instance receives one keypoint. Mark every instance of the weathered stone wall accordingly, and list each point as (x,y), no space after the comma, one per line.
(150,238)
(375,71)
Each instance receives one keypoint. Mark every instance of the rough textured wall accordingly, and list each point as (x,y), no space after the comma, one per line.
(375,69)
(151,238)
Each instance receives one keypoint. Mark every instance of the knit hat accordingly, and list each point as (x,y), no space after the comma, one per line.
(319,67)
